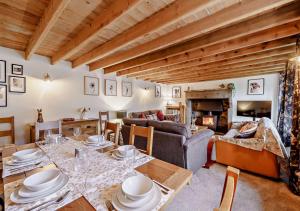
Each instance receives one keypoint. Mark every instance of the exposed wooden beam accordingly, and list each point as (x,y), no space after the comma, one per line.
(278,32)
(109,14)
(241,11)
(254,59)
(163,17)
(221,70)
(278,17)
(224,76)
(231,60)
(47,21)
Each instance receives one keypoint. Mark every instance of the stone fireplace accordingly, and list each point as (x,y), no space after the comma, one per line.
(211,108)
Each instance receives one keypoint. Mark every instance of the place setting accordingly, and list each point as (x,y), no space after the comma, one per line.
(24,160)
(138,193)
(43,189)
(97,141)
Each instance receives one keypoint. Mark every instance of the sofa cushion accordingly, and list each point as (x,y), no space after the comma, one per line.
(136,121)
(171,127)
(160,116)
(136,114)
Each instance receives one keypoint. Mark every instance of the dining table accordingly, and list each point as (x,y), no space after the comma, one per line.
(93,186)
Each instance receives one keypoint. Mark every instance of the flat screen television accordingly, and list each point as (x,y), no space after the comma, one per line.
(254,109)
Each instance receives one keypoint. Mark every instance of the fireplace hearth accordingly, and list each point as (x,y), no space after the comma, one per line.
(210,108)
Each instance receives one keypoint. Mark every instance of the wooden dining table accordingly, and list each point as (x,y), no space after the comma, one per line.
(167,174)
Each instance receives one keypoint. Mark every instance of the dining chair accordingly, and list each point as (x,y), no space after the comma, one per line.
(50,125)
(231,179)
(11,131)
(112,128)
(103,117)
(146,132)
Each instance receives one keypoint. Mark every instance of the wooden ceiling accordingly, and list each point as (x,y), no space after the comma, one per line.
(163,41)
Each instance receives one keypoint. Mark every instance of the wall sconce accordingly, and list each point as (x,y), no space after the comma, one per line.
(47,77)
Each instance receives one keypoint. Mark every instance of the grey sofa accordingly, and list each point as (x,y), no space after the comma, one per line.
(172,142)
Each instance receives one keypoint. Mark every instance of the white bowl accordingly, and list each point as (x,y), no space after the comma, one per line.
(95,139)
(126,150)
(25,154)
(42,180)
(137,187)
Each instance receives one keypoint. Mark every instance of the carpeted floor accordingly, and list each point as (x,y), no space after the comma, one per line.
(254,193)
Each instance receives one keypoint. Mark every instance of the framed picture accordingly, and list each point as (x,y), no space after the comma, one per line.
(176,92)
(256,86)
(3,95)
(17,84)
(126,89)
(2,71)
(17,69)
(91,86)
(157,91)
(110,87)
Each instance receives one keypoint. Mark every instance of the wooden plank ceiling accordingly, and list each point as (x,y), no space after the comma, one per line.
(163,41)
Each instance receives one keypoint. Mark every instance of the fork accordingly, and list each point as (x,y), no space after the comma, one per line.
(109,206)
(56,200)
(24,167)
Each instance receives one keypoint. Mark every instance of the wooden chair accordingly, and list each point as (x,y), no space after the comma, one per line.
(50,125)
(11,132)
(112,128)
(103,117)
(146,132)
(229,189)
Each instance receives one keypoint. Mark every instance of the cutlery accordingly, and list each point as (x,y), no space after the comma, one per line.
(162,186)
(56,200)
(109,205)
(24,167)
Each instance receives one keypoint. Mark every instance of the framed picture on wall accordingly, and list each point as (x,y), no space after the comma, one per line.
(17,84)
(126,89)
(17,69)
(176,92)
(2,71)
(157,91)
(256,86)
(110,87)
(91,85)
(3,95)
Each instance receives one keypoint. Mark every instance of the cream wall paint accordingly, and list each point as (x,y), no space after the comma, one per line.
(270,92)
(63,96)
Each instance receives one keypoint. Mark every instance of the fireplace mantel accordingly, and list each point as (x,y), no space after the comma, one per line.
(209,94)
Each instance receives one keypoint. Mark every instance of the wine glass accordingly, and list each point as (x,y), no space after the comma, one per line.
(76,131)
(47,136)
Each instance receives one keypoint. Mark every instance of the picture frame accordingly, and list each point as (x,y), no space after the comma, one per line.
(157,91)
(176,92)
(126,89)
(110,87)
(17,84)
(2,71)
(91,86)
(16,69)
(3,95)
(256,86)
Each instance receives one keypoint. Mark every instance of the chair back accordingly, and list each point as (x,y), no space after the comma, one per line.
(146,132)
(112,128)
(50,125)
(103,117)
(11,132)
(231,179)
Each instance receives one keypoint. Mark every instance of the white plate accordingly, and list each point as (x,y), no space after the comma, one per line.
(25,154)
(16,198)
(134,203)
(36,156)
(24,192)
(153,202)
(21,164)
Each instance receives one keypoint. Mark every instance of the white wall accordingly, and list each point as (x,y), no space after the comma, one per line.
(270,92)
(64,95)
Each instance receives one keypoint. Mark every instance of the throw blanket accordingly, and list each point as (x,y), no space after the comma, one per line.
(266,137)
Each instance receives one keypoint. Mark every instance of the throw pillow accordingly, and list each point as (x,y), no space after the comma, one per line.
(155,117)
(150,117)
(160,115)
(247,131)
(142,116)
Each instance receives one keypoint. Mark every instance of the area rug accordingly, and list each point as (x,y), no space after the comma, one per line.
(254,193)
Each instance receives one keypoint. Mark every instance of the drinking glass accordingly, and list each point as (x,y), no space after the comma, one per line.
(76,131)
(47,136)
